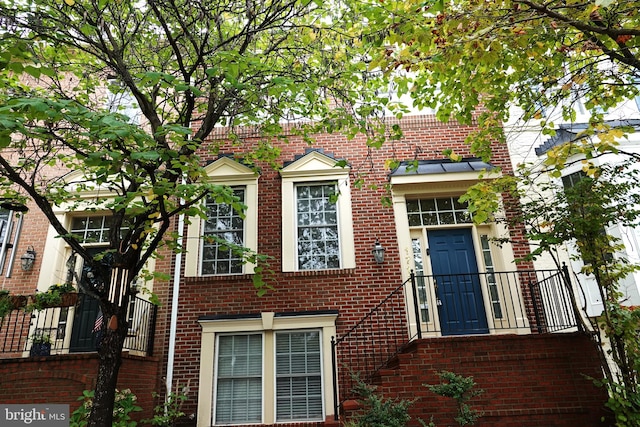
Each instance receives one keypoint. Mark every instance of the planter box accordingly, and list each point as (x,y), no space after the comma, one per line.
(18,301)
(66,300)
(69,299)
(40,349)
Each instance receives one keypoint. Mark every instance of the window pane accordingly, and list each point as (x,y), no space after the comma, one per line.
(463,217)
(239,379)
(223,225)
(93,229)
(298,376)
(413,206)
(422,290)
(414,220)
(430,218)
(439,211)
(446,218)
(428,205)
(317,219)
(444,204)
(458,205)
(491,279)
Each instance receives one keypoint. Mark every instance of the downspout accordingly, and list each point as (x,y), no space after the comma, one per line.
(174,309)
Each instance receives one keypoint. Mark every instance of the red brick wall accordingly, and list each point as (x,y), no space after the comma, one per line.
(528,380)
(33,234)
(62,379)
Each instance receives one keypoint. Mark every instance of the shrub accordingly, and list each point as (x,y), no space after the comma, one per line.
(125,403)
(378,411)
(461,390)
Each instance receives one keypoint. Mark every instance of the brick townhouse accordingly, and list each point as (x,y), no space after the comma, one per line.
(375,267)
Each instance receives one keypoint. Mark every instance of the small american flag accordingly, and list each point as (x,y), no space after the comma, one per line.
(97,325)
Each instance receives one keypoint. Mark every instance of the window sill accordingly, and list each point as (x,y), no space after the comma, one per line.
(330,272)
(218,278)
(337,272)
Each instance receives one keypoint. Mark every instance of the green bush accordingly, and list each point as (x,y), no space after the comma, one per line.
(461,390)
(125,403)
(378,411)
(169,412)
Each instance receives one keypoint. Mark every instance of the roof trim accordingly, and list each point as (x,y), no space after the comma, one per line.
(568,132)
(429,167)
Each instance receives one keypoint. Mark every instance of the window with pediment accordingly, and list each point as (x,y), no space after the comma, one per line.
(213,243)
(317,221)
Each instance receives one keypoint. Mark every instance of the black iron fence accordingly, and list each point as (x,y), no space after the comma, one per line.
(56,330)
(527,301)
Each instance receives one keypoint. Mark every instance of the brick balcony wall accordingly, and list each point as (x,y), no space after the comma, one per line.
(62,379)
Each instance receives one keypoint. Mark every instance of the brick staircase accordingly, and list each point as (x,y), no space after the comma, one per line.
(528,380)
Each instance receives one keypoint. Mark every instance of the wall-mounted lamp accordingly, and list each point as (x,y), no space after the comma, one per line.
(71,267)
(28,259)
(378,252)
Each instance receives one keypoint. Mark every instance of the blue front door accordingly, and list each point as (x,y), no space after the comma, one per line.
(453,262)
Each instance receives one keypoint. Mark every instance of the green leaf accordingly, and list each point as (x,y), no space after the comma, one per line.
(146,155)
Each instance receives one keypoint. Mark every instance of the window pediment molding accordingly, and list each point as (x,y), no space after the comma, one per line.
(229,171)
(314,164)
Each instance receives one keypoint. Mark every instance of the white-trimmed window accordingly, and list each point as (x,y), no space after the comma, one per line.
(239,379)
(223,225)
(266,368)
(318,231)
(120,100)
(298,376)
(206,252)
(4,223)
(437,211)
(91,228)
(317,225)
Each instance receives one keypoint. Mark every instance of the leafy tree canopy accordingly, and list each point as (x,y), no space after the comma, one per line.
(462,54)
(180,68)
(188,67)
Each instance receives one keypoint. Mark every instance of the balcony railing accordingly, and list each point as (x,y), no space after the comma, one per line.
(19,327)
(457,304)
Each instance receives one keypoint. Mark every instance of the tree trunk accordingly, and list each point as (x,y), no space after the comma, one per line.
(110,354)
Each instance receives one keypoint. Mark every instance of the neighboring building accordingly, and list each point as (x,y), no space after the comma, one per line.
(444,296)
(527,144)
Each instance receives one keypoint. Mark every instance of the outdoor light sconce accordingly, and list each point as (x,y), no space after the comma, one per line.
(378,252)
(28,259)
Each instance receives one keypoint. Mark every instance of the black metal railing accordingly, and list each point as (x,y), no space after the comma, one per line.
(526,301)
(370,344)
(19,329)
